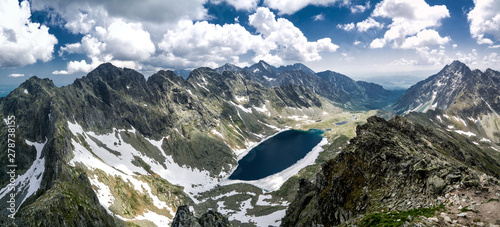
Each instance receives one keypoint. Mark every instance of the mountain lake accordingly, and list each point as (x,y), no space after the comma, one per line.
(276,154)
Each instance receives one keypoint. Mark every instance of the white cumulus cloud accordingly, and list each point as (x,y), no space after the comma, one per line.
(22,42)
(97,12)
(408,19)
(347,27)
(125,44)
(114,33)
(427,37)
(277,41)
(16,75)
(484,19)
(239,4)
(292,6)
(367,24)
(361,26)
(291,43)
(360,8)
(201,43)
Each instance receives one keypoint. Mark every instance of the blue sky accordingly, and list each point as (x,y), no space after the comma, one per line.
(64,40)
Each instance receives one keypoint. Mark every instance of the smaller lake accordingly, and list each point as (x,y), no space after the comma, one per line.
(276,154)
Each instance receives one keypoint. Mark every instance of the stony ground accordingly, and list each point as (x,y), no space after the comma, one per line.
(480,207)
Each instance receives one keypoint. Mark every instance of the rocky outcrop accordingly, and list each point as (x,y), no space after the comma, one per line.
(389,165)
(185,218)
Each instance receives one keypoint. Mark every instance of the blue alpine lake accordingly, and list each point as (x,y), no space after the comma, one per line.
(276,154)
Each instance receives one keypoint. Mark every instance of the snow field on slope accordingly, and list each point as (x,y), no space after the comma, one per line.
(29,182)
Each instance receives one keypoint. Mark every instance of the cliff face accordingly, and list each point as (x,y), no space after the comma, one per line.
(391,165)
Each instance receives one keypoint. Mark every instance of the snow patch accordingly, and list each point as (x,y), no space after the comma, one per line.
(269,79)
(103,193)
(248,110)
(460,120)
(261,202)
(215,132)
(241,98)
(263,110)
(485,140)
(469,134)
(298,118)
(439,118)
(273,219)
(158,220)
(174,173)
(28,183)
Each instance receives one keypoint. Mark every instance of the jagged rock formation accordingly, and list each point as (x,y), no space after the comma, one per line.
(470,98)
(106,144)
(389,165)
(185,218)
(455,87)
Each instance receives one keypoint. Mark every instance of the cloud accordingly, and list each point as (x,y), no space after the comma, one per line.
(126,44)
(21,41)
(15,75)
(133,40)
(292,6)
(360,8)
(362,26)
(204,43)
(428,56)
(367,24)
(318,17)
(277,41)
(97,12)
(408,19)
(347,27)
(484,19)
(404,62)
(78,66)
(291,43)
(239,4)
(468,58)
(491,59)
(424,38)
(127,41)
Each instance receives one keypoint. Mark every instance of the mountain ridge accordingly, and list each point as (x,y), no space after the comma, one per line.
(75,135)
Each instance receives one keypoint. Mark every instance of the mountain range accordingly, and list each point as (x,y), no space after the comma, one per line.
(338,88)
(114,148)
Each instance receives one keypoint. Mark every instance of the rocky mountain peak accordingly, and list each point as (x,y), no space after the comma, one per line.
(116,78)
(34,85)
(228,67)
(264,68)
(455,69)
(168,74)
(296,66)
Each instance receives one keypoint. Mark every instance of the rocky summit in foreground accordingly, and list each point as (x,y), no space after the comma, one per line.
(397,172)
